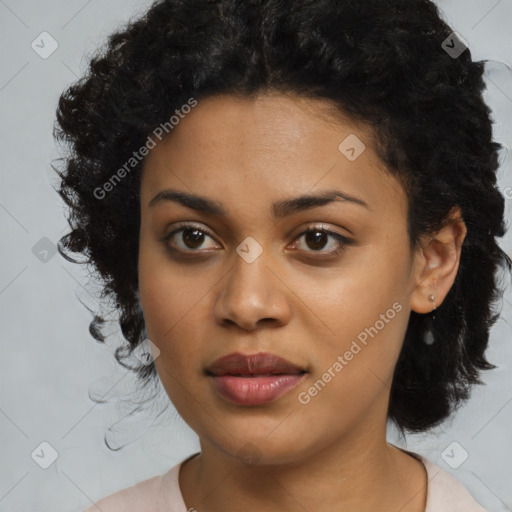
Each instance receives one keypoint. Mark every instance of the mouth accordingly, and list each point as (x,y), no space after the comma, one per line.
(253,365)
(256,379)
(254,375)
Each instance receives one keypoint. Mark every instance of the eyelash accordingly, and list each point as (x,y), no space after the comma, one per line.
(344,241)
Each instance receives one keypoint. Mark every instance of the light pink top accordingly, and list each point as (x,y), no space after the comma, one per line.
(162,493)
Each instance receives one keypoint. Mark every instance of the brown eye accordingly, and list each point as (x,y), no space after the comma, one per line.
(191,239)
(316,239)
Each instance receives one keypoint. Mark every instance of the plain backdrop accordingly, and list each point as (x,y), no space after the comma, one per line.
(51,367)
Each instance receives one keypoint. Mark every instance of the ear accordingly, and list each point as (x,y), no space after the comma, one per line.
(436,263)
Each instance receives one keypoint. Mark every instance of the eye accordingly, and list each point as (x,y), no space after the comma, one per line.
(193,238)
(317,237)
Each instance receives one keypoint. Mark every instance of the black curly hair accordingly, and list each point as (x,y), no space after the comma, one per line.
(379,62)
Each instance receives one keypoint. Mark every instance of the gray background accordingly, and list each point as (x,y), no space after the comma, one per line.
(49,362)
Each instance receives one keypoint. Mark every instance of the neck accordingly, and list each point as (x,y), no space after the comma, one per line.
(363,473)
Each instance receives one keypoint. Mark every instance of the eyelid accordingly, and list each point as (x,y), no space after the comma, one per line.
(182,226)
(343,241)
(303,230)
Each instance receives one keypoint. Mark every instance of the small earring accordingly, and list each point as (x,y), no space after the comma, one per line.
(428,337)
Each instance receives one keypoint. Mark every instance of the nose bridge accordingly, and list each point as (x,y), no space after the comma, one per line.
(251,291)
(250,265)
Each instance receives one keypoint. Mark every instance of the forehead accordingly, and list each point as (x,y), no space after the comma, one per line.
(259,150)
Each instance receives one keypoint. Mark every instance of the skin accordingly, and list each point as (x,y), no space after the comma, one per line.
(331,453)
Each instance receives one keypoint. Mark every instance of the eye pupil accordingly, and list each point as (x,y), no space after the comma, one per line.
(196,239)
(193,238)
(317,235)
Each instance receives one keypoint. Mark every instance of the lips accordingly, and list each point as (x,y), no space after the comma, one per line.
(261,364)
(254,380)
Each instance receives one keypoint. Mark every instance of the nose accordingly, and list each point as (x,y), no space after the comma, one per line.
(252,294)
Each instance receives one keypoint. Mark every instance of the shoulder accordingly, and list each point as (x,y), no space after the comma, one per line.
(152,495)
(445,493)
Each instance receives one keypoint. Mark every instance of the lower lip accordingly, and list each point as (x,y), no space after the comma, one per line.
(255,390)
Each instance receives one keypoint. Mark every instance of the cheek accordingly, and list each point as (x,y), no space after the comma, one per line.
(364,317)
(359,294)
(172,308)
(174,316)
(356,356)
(177,305)
(169,292)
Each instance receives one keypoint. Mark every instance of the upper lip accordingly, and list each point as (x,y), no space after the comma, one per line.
(257,364)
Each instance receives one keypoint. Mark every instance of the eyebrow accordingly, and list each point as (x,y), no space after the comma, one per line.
(280,209)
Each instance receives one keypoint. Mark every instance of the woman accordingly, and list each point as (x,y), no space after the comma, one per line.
(296,202)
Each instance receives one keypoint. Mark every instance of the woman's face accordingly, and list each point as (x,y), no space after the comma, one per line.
(251,281)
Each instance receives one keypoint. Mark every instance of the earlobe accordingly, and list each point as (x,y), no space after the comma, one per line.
(428,334)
